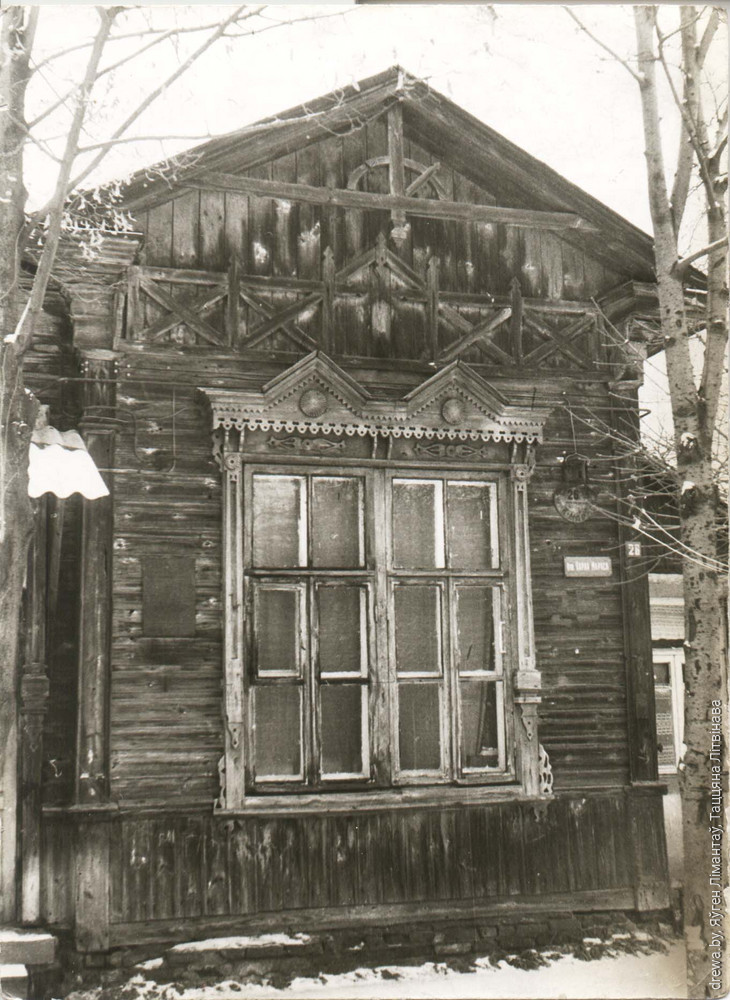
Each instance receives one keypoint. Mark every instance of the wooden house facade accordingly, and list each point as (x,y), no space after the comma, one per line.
(322,658)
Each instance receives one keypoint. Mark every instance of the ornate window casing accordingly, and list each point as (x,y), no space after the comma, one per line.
(377,606)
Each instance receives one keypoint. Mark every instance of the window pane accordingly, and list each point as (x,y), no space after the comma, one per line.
(336,522)
(419,730)
(342,726)
(469,525)
(417,629)
(665,727)
(661,673)
(277,631)
(417,524)
(278,731)
(279,536)
(474,628)
(341,638)
(479,733)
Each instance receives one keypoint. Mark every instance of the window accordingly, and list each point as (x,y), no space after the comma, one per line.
(669,706)
(374,629)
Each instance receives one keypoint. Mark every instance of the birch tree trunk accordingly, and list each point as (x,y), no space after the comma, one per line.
(705,655)
(17,415)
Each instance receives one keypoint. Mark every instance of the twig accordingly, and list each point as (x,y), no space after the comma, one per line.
(614,55)
(153,95)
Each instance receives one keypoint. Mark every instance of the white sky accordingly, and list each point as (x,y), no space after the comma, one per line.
(526,70)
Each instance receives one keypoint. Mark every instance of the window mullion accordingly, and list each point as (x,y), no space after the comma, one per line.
(382,716)
(312,739)
(451,670)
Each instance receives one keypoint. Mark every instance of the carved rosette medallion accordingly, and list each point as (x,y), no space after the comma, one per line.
(453,410)
(313,403)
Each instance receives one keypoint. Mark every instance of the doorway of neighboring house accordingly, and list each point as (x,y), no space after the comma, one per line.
(667,628)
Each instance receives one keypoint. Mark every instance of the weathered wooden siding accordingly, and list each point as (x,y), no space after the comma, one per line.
(276,238)
(166,728)
(59,735)
(177,873)
(578,622)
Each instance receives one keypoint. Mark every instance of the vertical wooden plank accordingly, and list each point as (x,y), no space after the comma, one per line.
(582,844)
(236,235)
(396,171)
(328,334)
(332,219)
(138,862)
(432,308)
(531,270)
(377,180)
(354,152)
(234,303)
(465,241)
(212,254)
(135,321)
(516,320)
(309,236)
(444,238)
(95,622)
(242,851)
(514,861)
(159,235)
(260,228)
(381,313)
(316,868)
(216,870)
(192,864)
(186,229)
(573,272)
(286,219)
(92,887)
(343,830)
(34,690)
(594,277)
(163,836)
(511,255)
(552,256)
(437,850)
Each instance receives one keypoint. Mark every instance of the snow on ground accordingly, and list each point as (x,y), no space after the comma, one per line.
(656,975)
(243,941)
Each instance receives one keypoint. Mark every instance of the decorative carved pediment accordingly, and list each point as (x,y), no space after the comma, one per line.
(316,395)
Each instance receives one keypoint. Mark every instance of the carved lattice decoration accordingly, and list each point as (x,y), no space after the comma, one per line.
(230,310)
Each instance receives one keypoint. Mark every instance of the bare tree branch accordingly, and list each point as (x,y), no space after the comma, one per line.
(707,35)
(24,334)
(627,66)
(154,94)
(684,263)
(690,108)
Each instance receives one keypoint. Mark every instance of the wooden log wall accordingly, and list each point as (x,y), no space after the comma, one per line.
(166,724)
(166,730)
(180,873)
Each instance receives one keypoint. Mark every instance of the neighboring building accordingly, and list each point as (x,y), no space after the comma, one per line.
(347,643)
(667,634)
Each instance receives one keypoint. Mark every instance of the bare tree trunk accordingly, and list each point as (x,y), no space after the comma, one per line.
(705,668)
(17,414)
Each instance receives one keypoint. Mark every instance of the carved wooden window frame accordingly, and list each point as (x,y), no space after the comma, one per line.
(318,402)
(524,772)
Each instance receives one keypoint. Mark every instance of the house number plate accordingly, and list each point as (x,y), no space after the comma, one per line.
(588,566)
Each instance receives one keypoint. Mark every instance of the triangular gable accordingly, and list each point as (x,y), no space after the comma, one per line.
(436,124)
